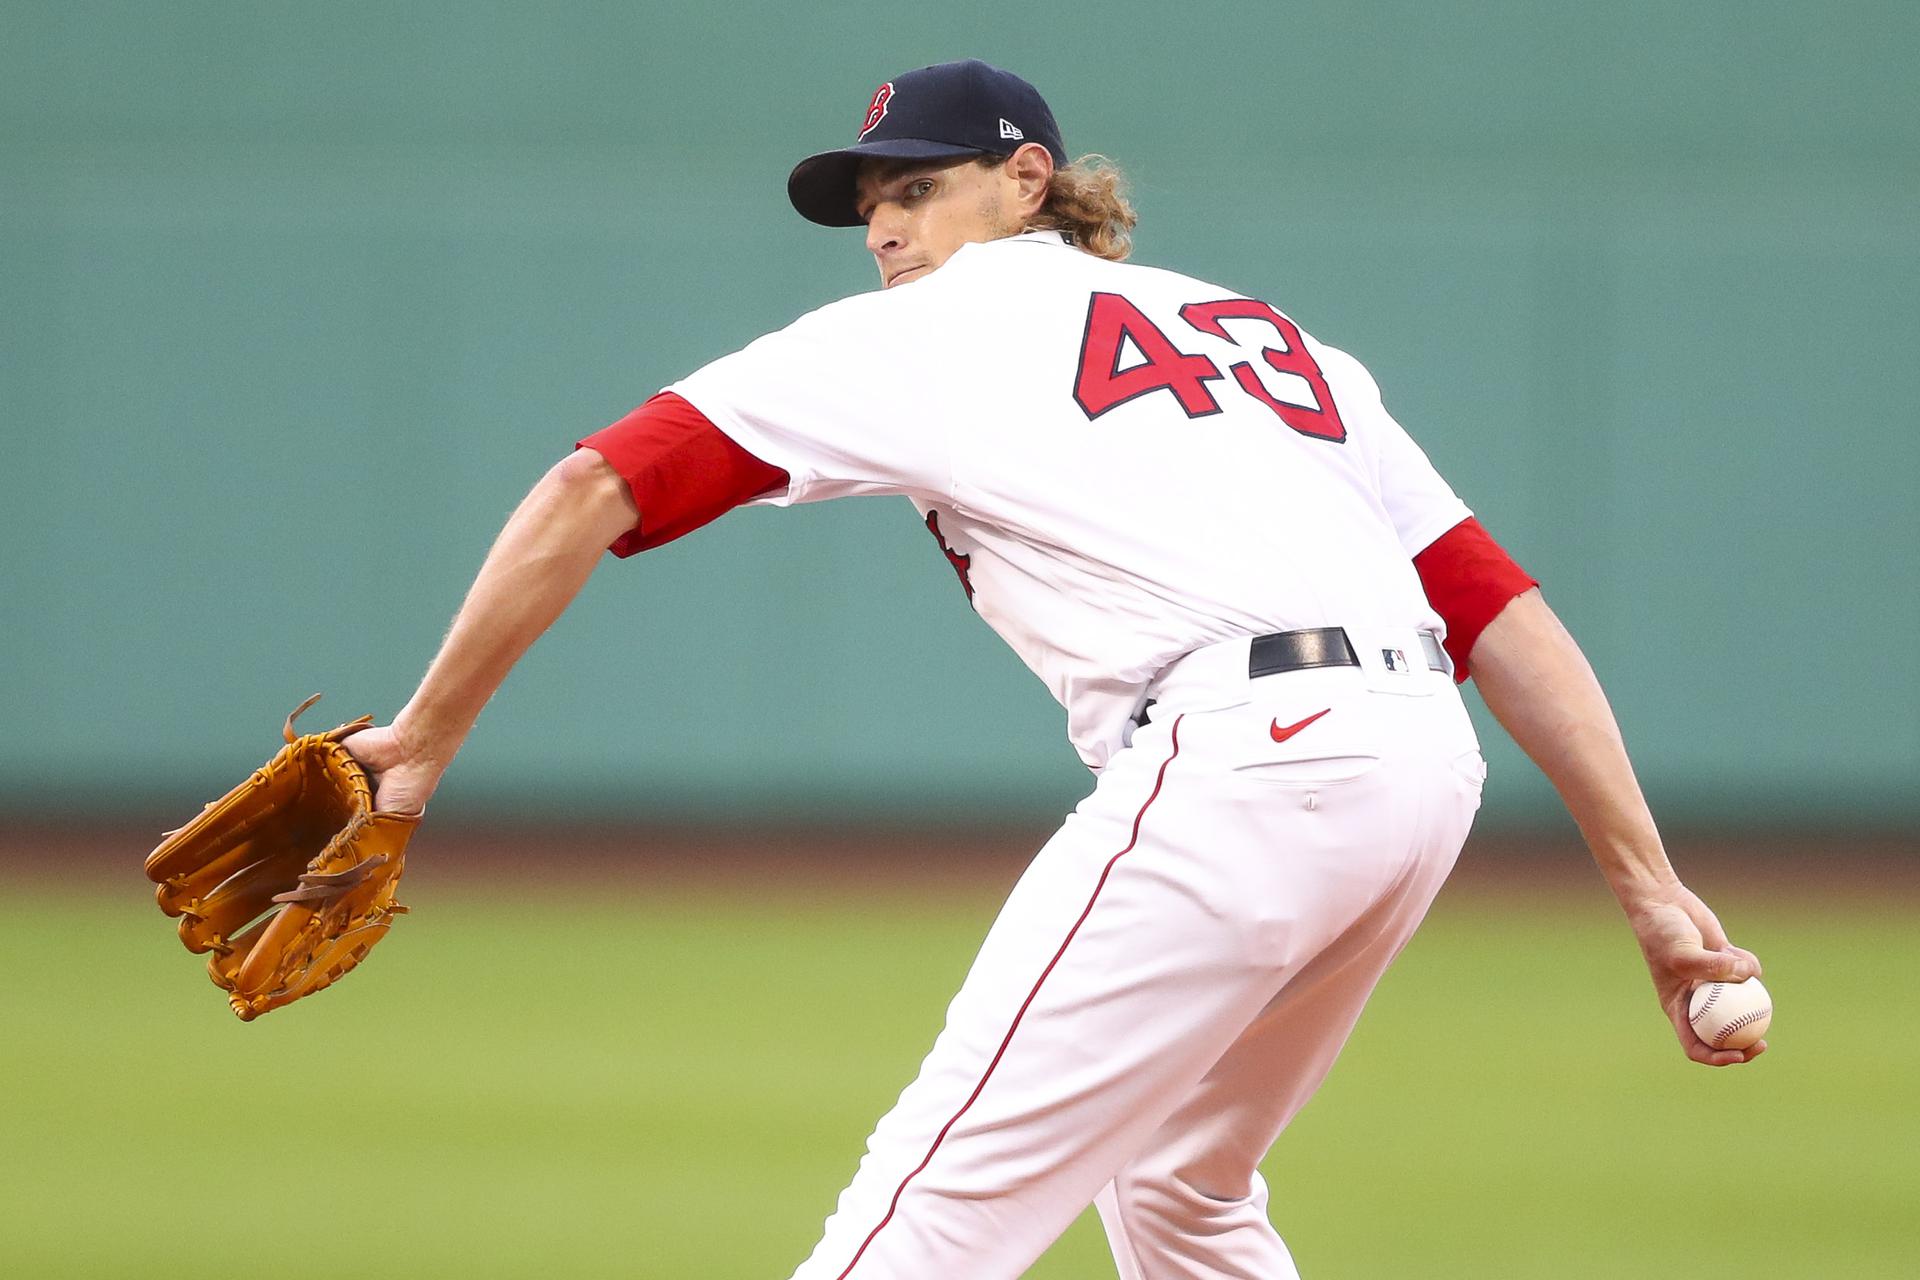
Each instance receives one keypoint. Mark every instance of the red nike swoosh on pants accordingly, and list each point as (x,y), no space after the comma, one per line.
(1282,734)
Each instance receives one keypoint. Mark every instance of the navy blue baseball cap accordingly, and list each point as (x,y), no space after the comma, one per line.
(948,111)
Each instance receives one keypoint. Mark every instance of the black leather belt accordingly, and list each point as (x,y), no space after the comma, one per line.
(1312,647)
(1327,647)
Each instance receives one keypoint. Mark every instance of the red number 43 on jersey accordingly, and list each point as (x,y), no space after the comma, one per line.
(1114,325)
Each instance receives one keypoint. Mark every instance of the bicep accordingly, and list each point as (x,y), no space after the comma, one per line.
(676,472)
(1469,580)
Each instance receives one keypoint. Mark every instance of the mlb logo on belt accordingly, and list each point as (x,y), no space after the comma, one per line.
(1396,660)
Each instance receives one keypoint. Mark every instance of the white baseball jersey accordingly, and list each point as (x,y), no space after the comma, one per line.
(1124,464)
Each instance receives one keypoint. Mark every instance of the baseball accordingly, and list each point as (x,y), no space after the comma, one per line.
(1730,1015)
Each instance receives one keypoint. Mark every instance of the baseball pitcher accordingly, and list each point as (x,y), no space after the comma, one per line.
(1252,594)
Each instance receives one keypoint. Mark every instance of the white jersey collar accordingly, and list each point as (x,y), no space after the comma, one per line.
(1028,237)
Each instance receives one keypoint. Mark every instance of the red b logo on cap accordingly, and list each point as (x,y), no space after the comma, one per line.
(877,109)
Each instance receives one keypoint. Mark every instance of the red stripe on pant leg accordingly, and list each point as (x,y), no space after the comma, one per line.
(1026,1004)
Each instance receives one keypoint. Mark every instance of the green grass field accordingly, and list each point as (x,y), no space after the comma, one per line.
(676,1085)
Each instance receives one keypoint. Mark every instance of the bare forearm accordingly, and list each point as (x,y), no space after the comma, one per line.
(1538,684)
(538,564)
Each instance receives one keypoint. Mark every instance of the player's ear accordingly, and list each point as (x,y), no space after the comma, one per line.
(1031,168)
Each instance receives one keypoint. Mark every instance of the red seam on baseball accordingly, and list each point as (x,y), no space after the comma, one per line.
(1026,1004)
(1750,1016)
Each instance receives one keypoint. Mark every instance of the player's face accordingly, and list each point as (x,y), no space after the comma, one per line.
(918,215)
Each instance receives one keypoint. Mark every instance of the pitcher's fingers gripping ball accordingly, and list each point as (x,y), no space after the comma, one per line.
(1730,1015)
(289,878)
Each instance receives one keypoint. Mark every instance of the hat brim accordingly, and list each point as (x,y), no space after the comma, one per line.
(822,187)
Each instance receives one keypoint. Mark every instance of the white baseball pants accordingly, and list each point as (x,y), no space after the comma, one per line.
(1172,978)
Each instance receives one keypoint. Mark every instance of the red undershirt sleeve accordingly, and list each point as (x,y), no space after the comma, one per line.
(1469,579)
(682,470)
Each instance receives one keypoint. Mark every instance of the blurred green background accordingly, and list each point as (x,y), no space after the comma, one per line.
(297,300)
(647,1081)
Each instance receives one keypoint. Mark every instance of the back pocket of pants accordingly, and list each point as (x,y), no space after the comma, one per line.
(1308,771)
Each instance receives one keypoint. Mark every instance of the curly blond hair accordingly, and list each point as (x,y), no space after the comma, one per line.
(1087,202)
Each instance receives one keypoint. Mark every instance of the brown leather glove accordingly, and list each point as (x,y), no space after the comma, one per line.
(299,840)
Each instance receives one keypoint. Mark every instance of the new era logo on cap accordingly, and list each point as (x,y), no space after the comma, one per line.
(1010,130)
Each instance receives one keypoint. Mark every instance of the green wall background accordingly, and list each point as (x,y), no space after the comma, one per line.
(296,300)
